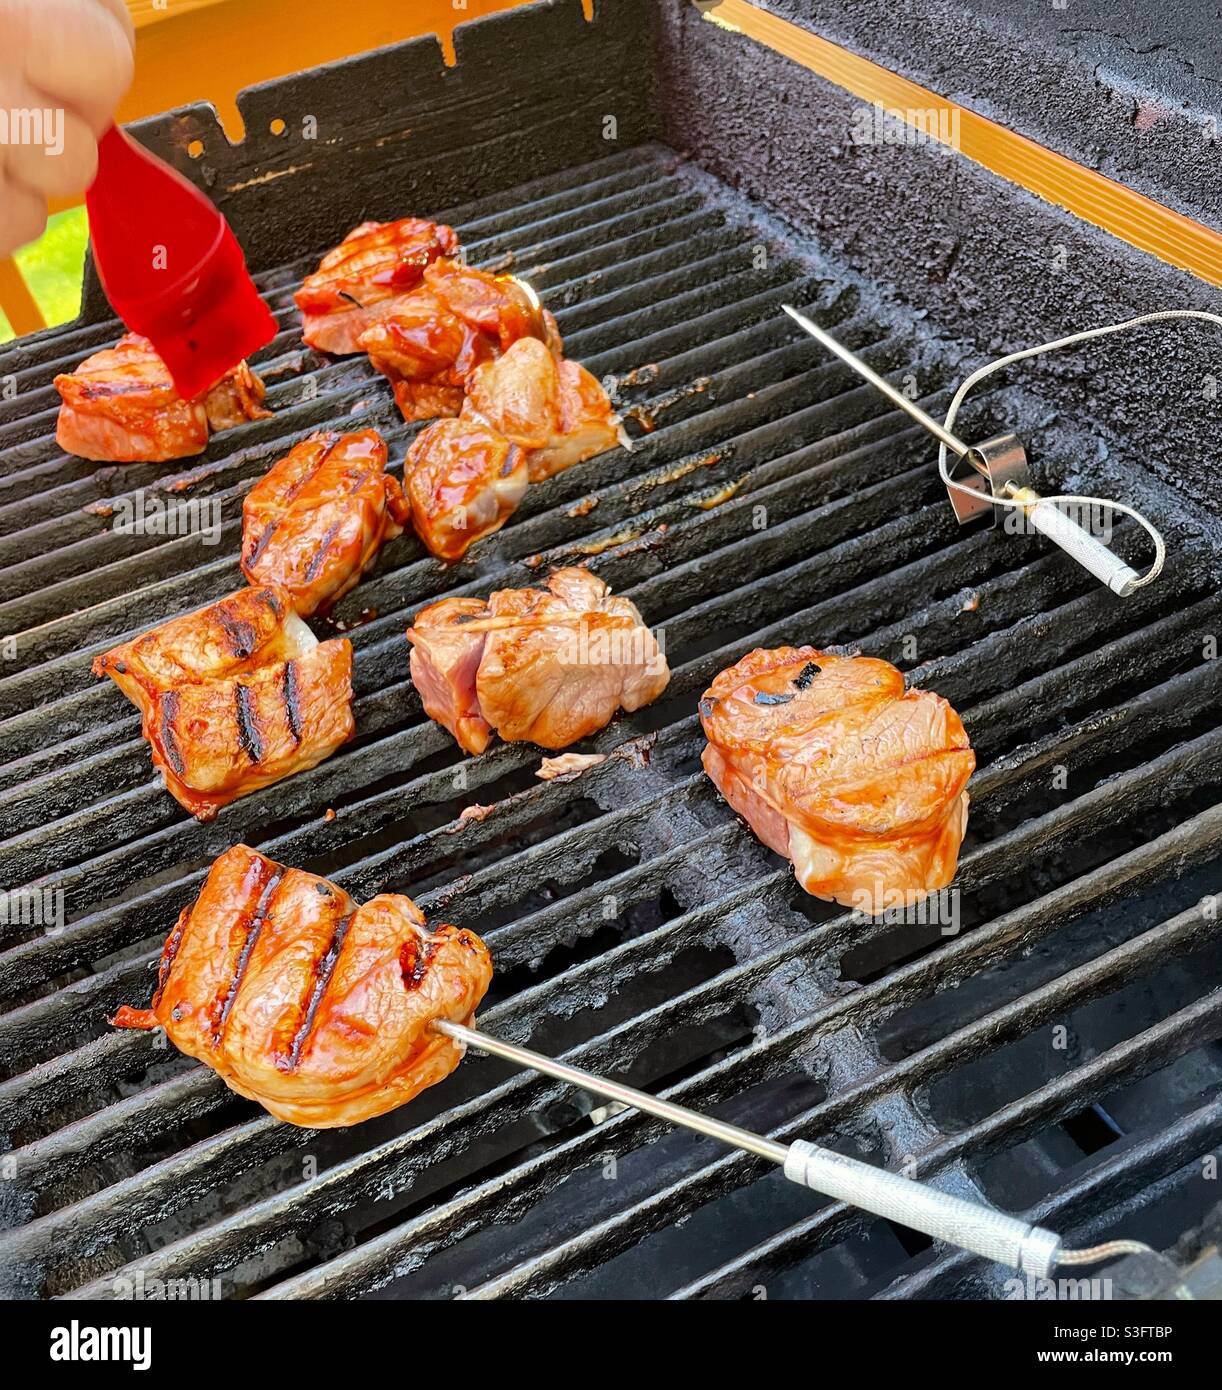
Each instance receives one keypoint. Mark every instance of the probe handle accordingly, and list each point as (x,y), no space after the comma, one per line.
(1092,554)
(1018,1244)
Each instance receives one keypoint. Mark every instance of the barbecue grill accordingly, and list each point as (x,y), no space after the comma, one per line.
(1049,1048)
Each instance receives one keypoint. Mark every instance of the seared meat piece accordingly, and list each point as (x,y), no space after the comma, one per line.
(121,406)
(548,666)
(235,399)
(836,768)
(375,263)
(428,343)
(526,417)
(318,1009)
(463,481)
(317,520)
(555,410)
(235,696)
(446,653)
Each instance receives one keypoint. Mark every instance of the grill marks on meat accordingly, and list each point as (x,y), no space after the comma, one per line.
(121,406)
(836,767)
(318,1009)
(358,281)
(235,696)
(429,342)
(316,521)
(527,416)
(547,666)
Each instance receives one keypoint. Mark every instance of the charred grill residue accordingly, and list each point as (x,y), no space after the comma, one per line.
(766,697)
(807,674)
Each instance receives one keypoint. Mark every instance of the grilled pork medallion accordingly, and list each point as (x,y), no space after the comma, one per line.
(463,481)
(835,767)
(121,406)
(429,342)
(315,523)
(301,1000)
(235,696)
(526,417)
(545,666)
(376,263)
(553,409)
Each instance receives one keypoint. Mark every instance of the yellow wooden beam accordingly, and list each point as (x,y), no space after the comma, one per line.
(18,303)
(145,12)
(1129,216)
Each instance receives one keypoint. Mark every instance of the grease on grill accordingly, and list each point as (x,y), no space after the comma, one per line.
(468,816)
(647,415)
(715,499)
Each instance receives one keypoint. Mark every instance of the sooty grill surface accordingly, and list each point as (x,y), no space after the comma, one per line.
(1056,1054)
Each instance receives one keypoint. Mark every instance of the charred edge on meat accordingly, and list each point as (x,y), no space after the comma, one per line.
(807,674)
(292,701)
(706,707)
(239,636)
(170,954)
(414,960)
(168,712)
(254,927)
(323,970)
(248,733)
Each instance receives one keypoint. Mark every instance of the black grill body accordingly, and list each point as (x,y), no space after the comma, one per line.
(1056,1053)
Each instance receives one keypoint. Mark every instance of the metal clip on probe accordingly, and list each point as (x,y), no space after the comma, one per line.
(1007,1239)
(997,474)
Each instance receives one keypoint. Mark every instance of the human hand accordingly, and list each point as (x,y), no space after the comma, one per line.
(64,67)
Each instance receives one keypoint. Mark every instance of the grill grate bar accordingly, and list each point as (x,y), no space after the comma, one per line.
(987,1033)
(106,1213)
(658,286)
(369,1266)
(1110,1186)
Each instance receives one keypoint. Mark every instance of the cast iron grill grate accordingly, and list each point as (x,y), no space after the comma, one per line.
(634,921)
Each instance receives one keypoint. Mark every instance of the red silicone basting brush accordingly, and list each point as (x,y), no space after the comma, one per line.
(171,267)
